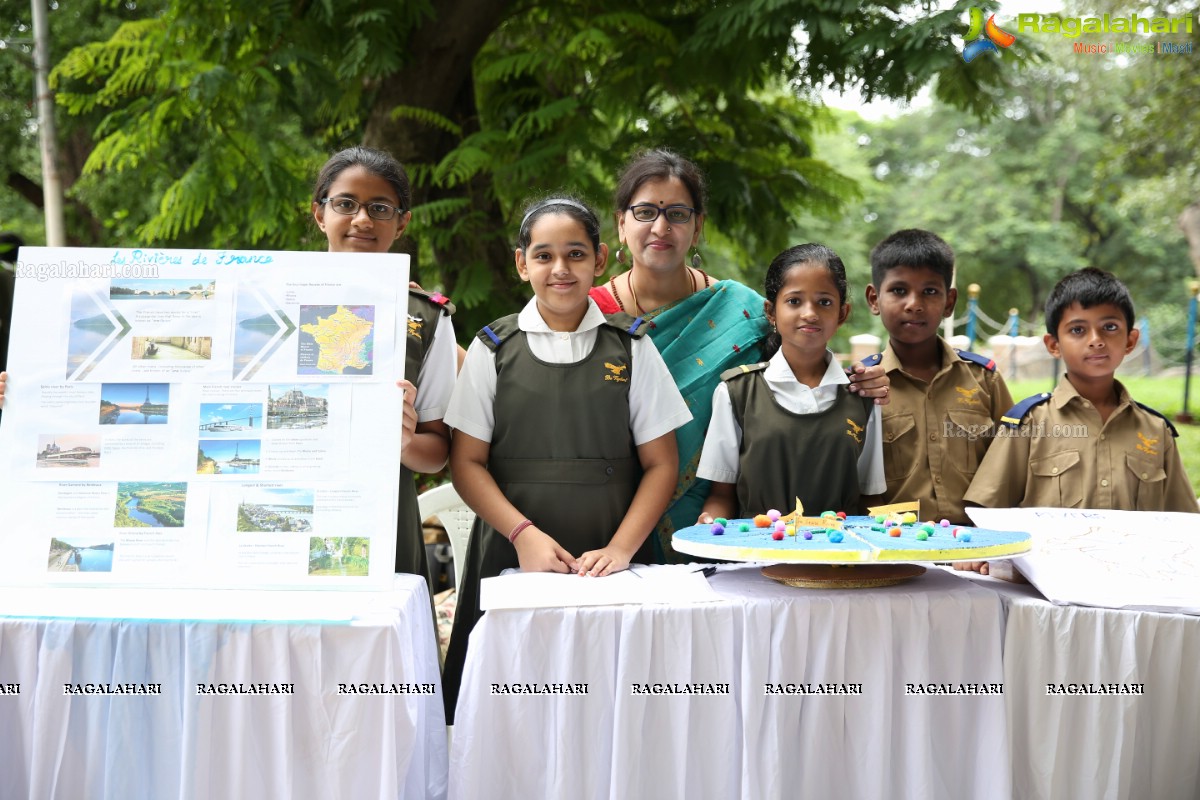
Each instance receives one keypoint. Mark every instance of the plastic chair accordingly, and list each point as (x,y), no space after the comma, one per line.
(445,504)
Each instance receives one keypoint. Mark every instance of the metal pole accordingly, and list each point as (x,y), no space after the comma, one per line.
(972,311)
(1014,331)
(51,181)
(1186,416)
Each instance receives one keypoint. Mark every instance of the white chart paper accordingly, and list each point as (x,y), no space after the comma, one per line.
(203,418)
(1143,560)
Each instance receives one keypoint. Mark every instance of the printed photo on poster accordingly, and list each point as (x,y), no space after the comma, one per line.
(301,406)
(228,457)
(134,403)
(230,418)
(276,511)
(80,554)
(342,556)
(172,348)
(336,340)
(68,451)
(162,289)
(146,504)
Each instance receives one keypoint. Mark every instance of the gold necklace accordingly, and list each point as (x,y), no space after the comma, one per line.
(633,293)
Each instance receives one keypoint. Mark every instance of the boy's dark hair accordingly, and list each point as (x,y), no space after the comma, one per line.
(377,162)
(1089,287)
(912,247)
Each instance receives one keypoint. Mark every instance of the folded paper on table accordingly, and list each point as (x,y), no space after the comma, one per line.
(658,584)
(1142,560)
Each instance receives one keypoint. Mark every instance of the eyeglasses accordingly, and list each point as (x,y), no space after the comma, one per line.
(349,206)
(676,215)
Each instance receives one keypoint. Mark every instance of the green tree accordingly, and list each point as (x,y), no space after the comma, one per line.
(207,120)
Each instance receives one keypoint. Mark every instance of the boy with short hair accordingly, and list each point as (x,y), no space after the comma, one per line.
(945,403)
(1089,444)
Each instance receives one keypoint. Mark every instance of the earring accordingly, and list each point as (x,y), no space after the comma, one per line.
(621,254)
(697,261)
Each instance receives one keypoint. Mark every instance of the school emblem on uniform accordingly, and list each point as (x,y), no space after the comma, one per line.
(615,371)
(967,396)
(855,430)
(1147,445)
(414,326)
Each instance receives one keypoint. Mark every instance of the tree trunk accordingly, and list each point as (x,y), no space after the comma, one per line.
(1189,222)
(438,77)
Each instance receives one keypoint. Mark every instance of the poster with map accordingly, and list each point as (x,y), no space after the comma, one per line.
(1141,560)
(203,418)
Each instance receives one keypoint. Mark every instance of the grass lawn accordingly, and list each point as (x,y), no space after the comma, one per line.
(1161,394)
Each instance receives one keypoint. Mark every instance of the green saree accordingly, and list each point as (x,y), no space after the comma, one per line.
(700,337)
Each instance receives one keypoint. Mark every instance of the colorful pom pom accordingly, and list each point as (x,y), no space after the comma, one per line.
(945,523)
(744,526)
(762,521)
(717,529)
(835,537)
(909,518)
(777,536)
(721,521)
(964,537)
(894,531)
(808,535)
(922,535)
(841,515)
(774,515)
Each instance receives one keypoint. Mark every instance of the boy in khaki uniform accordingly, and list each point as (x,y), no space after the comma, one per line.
(1089,444)
(945,403)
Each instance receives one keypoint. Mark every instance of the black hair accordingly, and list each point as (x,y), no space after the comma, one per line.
(1088,287)
(655,165)
(801,254)
(377,162)
(574,208)
(916,248)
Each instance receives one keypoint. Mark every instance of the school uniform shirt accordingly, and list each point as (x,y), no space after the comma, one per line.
(437,374)
(1062,456)
(935,434)
(719,461)
(655,405)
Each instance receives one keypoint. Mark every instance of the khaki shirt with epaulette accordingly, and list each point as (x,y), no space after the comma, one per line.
(1062,456)
(935,434)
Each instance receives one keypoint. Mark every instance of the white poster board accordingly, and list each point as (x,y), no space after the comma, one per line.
(203,418)
(1143,560)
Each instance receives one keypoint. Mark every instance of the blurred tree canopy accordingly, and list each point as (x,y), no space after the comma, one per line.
(203,123)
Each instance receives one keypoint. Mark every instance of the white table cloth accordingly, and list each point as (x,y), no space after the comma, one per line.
(315,743)
(1100,747)
(610,743)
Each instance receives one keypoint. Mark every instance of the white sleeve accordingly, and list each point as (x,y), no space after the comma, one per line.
(472,403)
(438,372)
(655,405)
(719,460)
(870,461)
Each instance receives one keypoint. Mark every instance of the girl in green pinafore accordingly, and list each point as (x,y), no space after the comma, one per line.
(563,423)
(361,203)
(788,427)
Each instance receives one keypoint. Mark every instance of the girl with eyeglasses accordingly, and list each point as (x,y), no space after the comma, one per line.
(361,203)
(702,327)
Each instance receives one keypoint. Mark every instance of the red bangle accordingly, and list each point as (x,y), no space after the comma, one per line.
(522,525)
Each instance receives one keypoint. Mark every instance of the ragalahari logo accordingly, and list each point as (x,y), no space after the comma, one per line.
(984,38)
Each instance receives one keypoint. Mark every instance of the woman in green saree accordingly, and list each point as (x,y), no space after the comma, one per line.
(701,327)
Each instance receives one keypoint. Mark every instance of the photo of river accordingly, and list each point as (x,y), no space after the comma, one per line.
(134,403)
(80,555)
